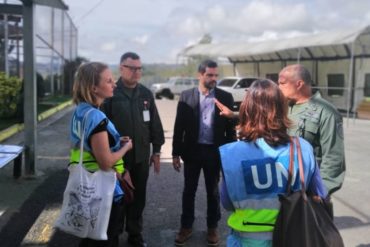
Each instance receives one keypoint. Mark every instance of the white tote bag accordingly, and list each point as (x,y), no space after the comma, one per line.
(87,201)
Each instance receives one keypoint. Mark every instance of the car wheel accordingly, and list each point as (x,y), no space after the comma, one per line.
(167,93)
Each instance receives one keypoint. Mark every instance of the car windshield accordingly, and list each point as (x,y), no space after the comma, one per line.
(172,80)
(226,82)
(245,83)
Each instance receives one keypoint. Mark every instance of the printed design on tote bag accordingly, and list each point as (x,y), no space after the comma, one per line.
(83,208)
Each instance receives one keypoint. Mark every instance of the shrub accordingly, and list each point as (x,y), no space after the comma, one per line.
(9,95)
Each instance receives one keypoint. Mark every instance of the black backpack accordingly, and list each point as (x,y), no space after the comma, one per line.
(303,221)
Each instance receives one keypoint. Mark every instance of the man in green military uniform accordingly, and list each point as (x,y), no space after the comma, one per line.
(317,121)
(134,114)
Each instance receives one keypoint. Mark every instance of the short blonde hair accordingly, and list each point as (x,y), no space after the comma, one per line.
(87,76)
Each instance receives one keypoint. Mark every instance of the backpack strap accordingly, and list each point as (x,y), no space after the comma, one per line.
(294,141)
(291,165)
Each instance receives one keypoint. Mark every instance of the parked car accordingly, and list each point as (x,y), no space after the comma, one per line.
(174,86)
(236,86)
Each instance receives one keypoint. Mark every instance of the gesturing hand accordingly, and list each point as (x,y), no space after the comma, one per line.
(224,110)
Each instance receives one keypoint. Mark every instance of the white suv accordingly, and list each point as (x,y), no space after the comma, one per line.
(174,86)
(236,86)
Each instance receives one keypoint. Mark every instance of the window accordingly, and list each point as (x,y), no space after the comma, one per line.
(367,86)
(179,82)
(273,77)
(187,82)
(227,82)
(245,83)
(335,84)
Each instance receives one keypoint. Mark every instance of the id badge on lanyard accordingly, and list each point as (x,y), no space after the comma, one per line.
(146,115)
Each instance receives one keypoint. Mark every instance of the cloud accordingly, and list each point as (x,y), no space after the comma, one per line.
(108,46)
(217,14)
(247,20)
(141,40)
(163,26)
(190,25)
(257,17)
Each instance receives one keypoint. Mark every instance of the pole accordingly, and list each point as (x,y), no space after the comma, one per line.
(350,81)
(30,90)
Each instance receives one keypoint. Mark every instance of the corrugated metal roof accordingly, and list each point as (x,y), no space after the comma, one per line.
(334,44)
(59,4)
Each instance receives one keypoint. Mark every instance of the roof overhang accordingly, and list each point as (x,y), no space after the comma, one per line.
(59,4)
(321,46)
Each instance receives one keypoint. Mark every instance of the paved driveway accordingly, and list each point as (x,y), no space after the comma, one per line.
(29,206)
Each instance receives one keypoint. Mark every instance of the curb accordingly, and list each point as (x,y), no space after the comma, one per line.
(12,130)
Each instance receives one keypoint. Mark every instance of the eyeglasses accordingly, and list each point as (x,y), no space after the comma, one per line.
(132,68)
(211,75)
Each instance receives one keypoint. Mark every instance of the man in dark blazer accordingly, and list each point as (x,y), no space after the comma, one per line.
(199,131)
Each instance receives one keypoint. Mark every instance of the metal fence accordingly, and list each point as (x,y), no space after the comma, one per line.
(55,44)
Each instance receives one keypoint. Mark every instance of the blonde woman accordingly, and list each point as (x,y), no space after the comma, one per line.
(103,148)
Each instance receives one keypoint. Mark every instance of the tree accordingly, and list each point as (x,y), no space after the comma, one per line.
(9,95)
(69,70)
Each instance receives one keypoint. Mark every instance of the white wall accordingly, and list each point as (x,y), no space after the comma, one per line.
(270,68)
(246,69)
(334,67)
(324,68)
(362,68)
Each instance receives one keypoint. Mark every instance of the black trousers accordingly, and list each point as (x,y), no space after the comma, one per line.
(139,173)
(208,159)
(115,226)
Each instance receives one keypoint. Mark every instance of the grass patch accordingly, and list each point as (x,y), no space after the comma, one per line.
(51,101)
(5,123)
(44,107)
(44,104)
(56,99)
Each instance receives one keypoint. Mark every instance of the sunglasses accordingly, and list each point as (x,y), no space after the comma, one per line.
(133,68)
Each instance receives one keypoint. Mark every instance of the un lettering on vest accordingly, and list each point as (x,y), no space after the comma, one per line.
(76,127)
(267,176)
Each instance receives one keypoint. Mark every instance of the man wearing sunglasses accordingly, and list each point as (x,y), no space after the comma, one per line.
(133,112)
(199,131)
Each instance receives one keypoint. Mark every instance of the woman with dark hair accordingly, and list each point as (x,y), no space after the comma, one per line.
(255,169)
(103,148)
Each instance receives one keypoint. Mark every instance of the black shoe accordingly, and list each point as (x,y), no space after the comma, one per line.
(136,240)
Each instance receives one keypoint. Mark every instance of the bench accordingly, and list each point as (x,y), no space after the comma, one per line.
(8,153)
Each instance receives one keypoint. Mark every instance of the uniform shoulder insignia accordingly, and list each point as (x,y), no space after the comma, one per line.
(340,129)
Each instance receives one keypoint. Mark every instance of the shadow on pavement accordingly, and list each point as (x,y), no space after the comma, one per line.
(48,193)
(344,222)
(161,215)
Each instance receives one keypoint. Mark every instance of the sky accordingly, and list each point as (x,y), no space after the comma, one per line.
(159,29)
